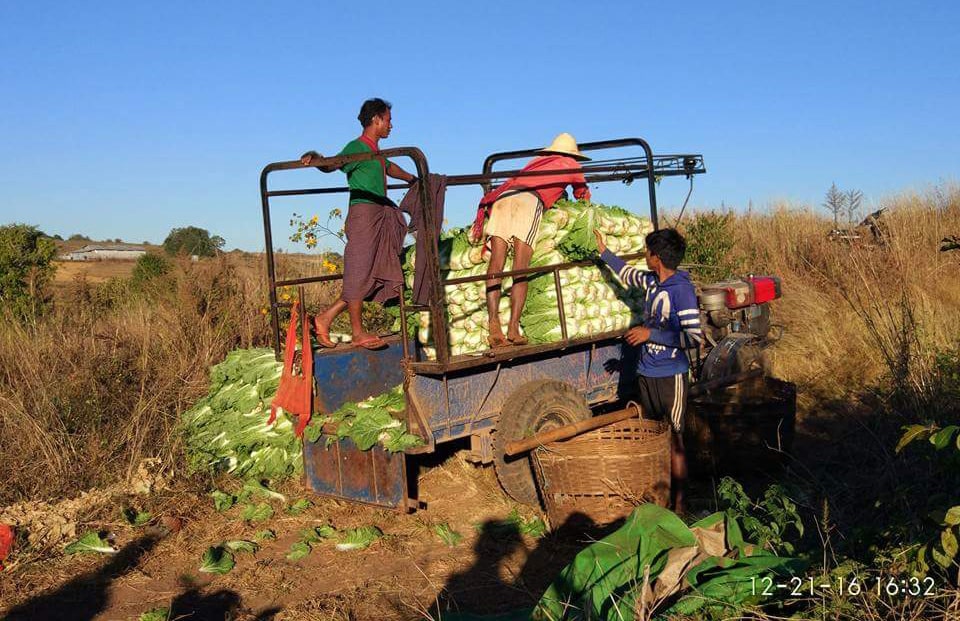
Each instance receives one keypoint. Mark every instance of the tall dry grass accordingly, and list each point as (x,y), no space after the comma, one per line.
(91,389)
(856,314)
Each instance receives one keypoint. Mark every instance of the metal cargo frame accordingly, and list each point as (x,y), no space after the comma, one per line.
(453,396)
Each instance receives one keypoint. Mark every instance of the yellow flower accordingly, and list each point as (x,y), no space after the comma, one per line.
(285,296)
(263,311)
(314,220)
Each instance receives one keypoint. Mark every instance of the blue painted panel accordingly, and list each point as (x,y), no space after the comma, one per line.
(472,400)
(342,470)
(346,375)
(352,374)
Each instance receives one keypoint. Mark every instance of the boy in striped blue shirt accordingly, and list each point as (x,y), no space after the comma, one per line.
(671,325)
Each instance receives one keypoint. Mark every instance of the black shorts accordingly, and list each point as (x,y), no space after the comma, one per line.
(665,398)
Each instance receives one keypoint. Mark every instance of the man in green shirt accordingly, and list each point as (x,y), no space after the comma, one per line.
(375,227)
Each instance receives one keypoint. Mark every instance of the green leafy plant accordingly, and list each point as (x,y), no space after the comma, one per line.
(217,560)
(299,506)
(767,521)
(227,431)
(513,525)
(257,513)
(710,242)
(310,231)
(308,538)
(241,545)
(940,547)
(90,543)
(222,500)
(447,535)
(368,423)
(252,487)
(264,535)
(26,269)
(135,518)
(155,614)
(298,550)
(358,538)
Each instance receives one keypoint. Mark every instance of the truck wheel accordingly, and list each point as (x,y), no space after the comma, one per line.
(538,406)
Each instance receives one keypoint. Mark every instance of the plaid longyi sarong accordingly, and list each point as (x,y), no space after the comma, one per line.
(371,259)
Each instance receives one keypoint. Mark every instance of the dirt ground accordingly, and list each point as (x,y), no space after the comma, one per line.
(93,271)
(409,574)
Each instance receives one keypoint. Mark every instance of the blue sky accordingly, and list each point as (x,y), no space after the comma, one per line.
(128,119)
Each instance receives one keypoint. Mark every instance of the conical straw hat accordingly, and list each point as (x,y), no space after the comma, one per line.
(565,144)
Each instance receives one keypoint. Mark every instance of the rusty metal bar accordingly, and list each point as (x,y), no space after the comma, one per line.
(606,170)
(592,146)
(535,270)
(271,267)
(403,324)
(563,315)
(331,163)
(492,357)
(307,280)
(592,173)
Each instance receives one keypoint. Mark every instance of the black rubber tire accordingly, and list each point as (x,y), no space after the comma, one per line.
(534,407)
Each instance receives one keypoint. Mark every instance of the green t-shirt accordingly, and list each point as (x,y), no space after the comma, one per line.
(367,180)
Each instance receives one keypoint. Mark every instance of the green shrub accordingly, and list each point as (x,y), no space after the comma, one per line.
(710,241)
(150,267)
(26,269)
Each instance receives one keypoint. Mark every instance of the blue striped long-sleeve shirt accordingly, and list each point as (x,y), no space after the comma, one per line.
(670,312)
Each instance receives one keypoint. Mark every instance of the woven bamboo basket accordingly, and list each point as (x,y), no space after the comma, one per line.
(605,473)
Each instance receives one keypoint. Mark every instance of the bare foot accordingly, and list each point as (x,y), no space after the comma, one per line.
(516,338)
(496,338)
(323,332)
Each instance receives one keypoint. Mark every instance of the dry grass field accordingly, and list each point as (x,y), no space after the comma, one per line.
(94,272)
(92,392)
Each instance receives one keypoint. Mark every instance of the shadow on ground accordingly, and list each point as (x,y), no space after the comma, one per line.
(88,595)
(489,588)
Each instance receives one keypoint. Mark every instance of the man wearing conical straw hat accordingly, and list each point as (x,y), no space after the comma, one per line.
(514,210)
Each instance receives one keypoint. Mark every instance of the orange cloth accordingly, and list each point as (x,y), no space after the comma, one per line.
(295,393)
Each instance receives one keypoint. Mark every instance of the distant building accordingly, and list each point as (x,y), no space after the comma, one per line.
(103,252)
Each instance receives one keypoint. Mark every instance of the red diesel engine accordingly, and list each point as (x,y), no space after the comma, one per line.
(736,323)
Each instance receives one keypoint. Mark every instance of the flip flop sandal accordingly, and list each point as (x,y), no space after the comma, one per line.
(372,343)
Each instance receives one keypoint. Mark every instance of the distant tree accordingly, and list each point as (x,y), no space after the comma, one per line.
(78,237)
(854,198)
(192,240)
(26,268)
(58,238)
(835,202)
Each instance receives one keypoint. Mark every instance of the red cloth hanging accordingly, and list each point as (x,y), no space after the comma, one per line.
(295,393)
(6,542)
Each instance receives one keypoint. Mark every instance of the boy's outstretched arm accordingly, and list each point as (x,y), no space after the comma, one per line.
(630,276)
